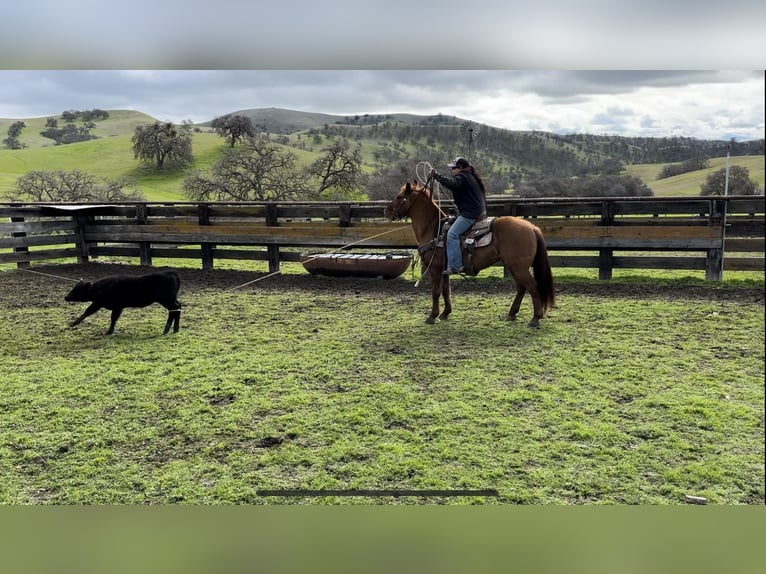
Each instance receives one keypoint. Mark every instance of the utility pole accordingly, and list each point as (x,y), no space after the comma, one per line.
(725,208)
(726,179)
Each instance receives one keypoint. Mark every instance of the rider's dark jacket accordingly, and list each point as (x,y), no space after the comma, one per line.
(467,193)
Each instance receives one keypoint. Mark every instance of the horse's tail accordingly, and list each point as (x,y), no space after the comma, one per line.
(541,267)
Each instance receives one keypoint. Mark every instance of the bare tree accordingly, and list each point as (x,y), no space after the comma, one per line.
(256,171)
(385,183)
(72,186)
(338,173)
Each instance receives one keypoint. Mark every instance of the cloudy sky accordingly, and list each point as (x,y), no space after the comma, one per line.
(690,68)
(699,104)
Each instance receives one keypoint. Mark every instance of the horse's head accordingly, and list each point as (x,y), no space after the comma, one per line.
(408,195)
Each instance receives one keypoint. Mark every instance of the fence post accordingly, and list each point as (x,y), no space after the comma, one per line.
(203,211)
(714,259)
(272,250)
(144,247)
(344,215)
(20,264)
(606,255)
(81,222)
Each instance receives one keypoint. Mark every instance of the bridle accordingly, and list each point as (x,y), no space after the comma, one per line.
(401,201)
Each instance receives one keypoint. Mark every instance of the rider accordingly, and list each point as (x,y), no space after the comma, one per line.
(468,191)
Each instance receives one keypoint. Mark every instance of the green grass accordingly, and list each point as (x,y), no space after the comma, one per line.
(690,183)
(109,157)
(634,392)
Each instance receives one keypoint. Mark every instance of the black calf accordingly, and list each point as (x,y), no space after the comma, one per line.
(120,291)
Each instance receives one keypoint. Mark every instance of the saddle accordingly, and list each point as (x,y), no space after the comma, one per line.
(478,235)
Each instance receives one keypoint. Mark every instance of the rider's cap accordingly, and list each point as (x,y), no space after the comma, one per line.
(459,162)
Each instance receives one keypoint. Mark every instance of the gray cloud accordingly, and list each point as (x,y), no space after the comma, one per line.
(704,103)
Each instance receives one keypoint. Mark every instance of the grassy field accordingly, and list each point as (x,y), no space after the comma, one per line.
(109,157)
(690,183)
(642,390)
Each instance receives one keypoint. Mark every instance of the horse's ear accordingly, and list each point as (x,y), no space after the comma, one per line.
(408,187)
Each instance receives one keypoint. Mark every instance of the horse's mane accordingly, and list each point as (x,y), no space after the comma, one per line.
(424,189)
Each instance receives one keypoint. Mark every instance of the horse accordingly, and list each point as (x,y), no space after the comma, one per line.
(516,242)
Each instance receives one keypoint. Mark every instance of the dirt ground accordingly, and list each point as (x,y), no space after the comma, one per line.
(46,285)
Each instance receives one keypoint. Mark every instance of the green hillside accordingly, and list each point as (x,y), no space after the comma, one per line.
(384,140)
(691,182)
(108,157)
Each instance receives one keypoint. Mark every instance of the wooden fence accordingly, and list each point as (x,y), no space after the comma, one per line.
(696,233)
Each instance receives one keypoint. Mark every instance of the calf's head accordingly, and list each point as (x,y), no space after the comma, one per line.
(80,292)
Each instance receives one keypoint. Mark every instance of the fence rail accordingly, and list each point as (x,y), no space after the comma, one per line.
(704,233)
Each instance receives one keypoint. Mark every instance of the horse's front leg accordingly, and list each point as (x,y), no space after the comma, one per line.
(446,295)
(435,293)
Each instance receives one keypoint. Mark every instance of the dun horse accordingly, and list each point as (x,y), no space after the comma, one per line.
(515,241)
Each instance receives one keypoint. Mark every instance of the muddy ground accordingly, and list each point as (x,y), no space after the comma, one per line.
(46,285)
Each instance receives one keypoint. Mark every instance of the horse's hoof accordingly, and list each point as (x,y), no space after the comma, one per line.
(443,317)
(430,321)
(534,323)
(511,317)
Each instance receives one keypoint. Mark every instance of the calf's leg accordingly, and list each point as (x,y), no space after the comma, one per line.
(174,317)
(92,308)
(115,315)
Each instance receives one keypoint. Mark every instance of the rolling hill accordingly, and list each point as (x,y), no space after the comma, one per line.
(383,140)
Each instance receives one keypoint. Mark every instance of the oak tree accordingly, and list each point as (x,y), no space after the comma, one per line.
(163,144)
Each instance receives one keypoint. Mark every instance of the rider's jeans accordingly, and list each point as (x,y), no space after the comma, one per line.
(460,226)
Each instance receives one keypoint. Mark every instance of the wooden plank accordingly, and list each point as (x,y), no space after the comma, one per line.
(753,204)
(574,261)
(750,245)
(163,211)
(38,255)
(652,262)
(37,240)
(7,210)
(745,228)
(744,264)
(44,226)
(638,224)
(561,236)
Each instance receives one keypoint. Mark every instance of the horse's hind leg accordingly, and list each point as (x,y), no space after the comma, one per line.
(516,305)
(525,282)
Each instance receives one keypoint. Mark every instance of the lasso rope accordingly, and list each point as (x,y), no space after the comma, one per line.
(423,168)
(423,174)
(49,275)
(425,182)
(312,258)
